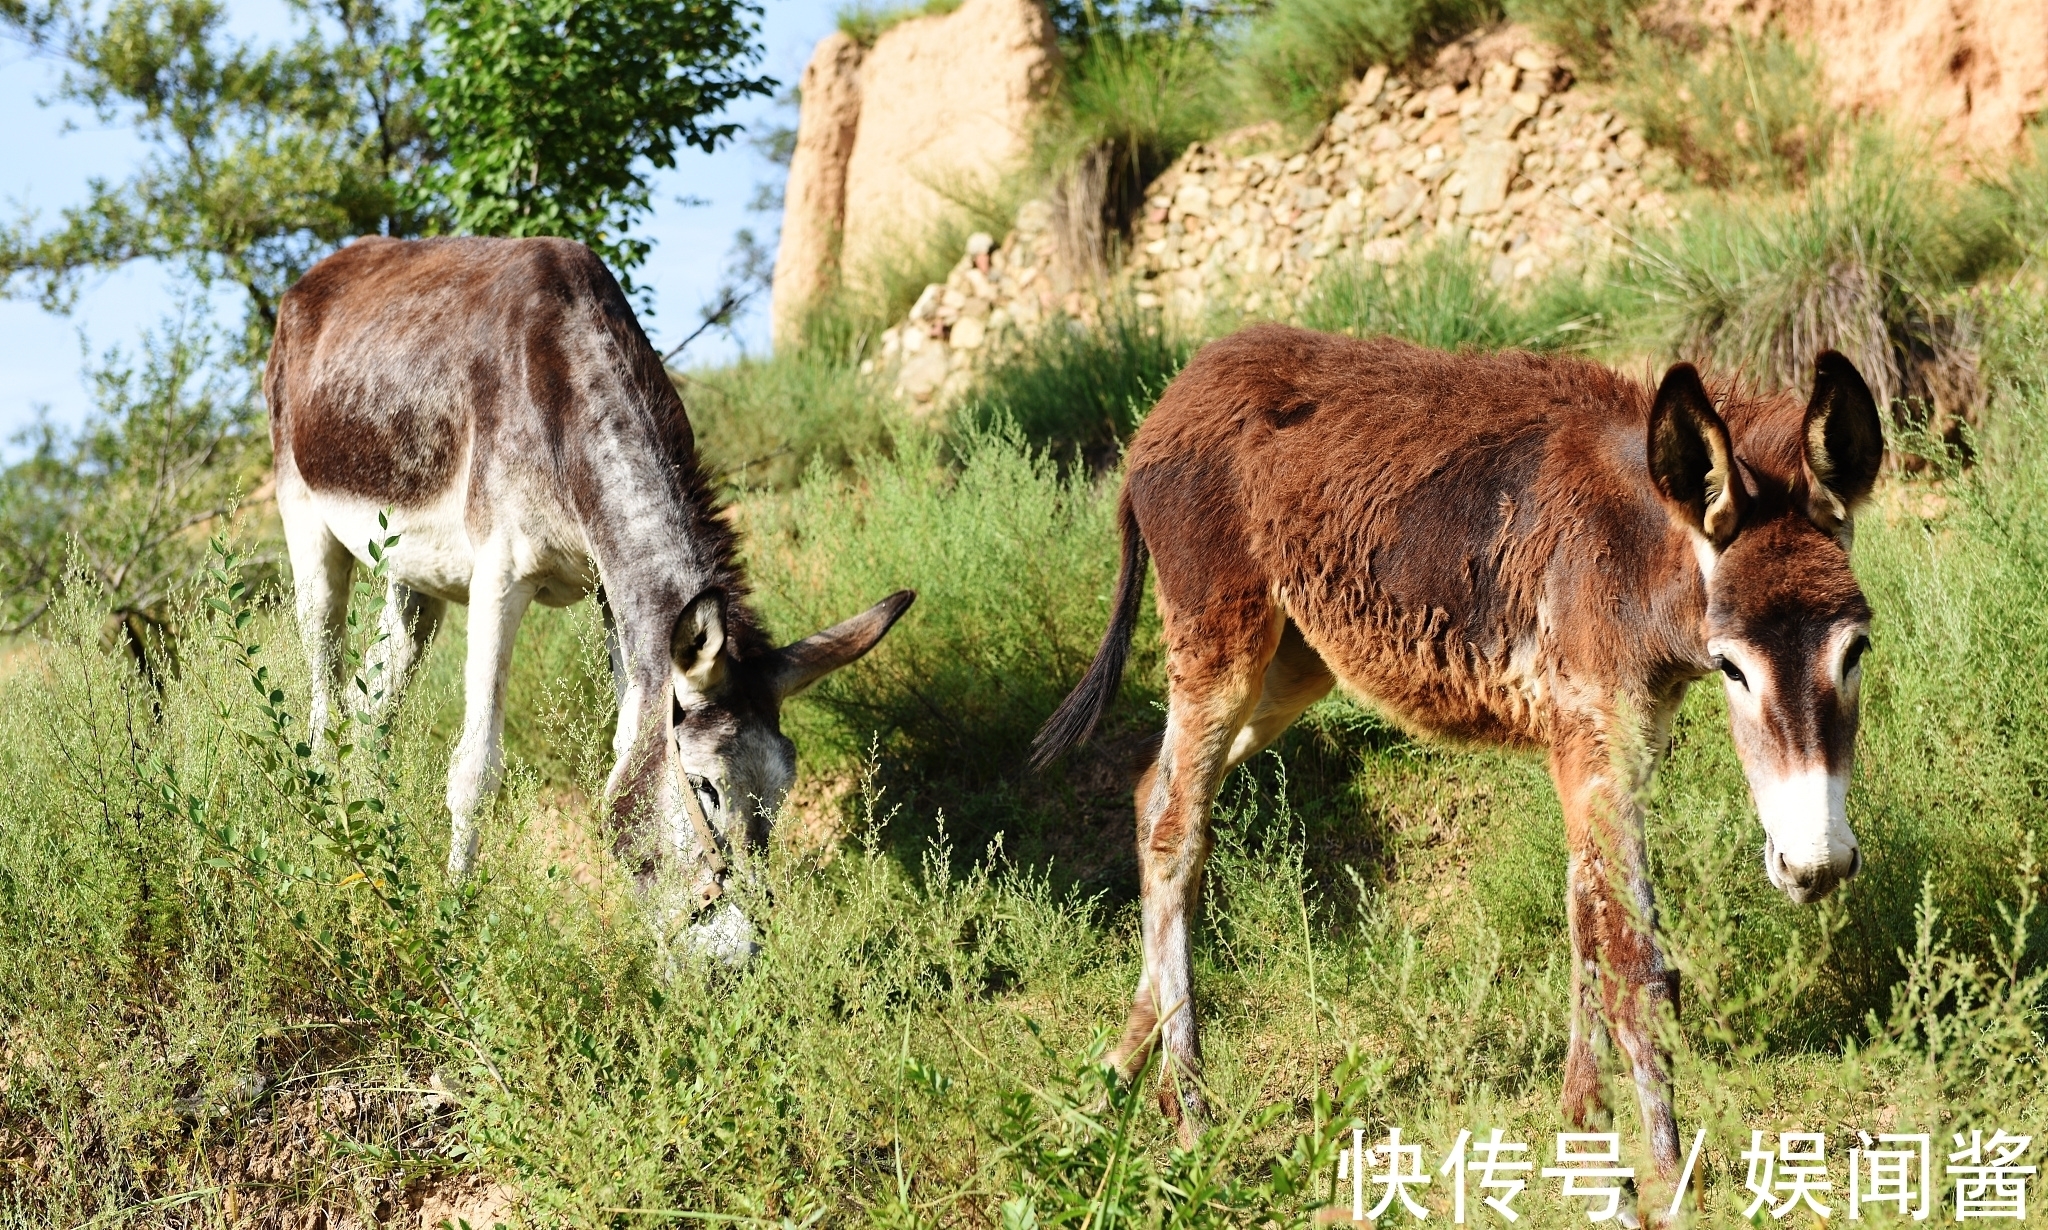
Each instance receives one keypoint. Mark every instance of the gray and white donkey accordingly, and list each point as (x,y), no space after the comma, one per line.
(499,400)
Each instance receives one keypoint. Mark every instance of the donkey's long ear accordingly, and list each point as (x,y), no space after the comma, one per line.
(1844,442)
(802,664)
(697,646)
(1692,460)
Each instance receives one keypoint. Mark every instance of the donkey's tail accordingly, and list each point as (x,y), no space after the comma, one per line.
(1077,715)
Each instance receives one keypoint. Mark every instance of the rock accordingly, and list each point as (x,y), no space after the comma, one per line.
(923,373)
(1383,251)
(1489,168)
(1369,88)
(1591,192)
(947,102)
(1978,68)
(968,332)
(980,243)
(814,199)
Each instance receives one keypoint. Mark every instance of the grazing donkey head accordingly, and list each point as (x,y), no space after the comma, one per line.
(1786,624)
(725,742)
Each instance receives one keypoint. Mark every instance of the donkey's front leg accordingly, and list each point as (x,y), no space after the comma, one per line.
(497,602)
(1615,958)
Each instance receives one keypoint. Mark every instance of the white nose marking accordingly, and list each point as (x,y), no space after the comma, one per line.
(1805,813)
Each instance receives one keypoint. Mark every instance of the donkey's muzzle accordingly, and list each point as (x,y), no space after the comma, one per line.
(1806,881)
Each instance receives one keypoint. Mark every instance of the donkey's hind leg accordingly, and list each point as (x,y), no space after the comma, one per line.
(1217,658)
(406,629)
(1295,679)
(321,567)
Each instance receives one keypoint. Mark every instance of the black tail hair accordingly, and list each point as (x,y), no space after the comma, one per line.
(1077,715)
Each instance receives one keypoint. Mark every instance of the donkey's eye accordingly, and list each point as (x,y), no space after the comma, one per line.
(1854,656)
(705,791)
(1731,670)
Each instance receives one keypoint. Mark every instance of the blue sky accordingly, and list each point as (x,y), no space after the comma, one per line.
(48,153)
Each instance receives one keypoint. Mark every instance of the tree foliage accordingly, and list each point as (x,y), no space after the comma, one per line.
(175,439)
(553,112)
(379,118)
(261,159)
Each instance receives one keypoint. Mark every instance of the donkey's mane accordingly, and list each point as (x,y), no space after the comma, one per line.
(670,425)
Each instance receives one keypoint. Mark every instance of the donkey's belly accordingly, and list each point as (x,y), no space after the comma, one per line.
(1433,681)
(433,553)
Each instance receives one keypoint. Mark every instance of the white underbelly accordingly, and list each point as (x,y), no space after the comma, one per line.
(433,553)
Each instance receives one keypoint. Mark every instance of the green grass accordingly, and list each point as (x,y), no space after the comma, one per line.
(1442,297)
(1297,56)
(224,967)
(215,971)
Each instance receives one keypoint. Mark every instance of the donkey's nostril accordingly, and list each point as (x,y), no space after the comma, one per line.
(1784,866)
(1855,861)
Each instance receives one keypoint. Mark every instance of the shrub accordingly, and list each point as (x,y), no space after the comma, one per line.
(1870,261)
(766,422)
(1442,297)
(1297,56)
(1591,32)
(1079,392)
(1738,110)
(1132,100)
(172,443)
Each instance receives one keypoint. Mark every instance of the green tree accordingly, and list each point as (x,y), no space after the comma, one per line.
(261,160)
(553,113)
(380,118)
(176,437)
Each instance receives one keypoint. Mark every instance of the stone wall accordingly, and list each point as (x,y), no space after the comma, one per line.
(1495,147)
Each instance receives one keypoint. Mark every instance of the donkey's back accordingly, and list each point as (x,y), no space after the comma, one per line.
(406,375)
(1414,511)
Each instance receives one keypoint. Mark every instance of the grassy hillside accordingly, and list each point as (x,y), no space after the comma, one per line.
(235,989)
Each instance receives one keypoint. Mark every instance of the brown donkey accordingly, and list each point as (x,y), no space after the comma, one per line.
(1502,549)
